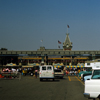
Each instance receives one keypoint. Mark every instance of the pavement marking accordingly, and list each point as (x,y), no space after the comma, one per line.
(79,80)
(75,78)
(69,78)
(72,78)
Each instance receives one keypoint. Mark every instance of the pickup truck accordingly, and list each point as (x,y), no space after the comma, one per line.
(92,85)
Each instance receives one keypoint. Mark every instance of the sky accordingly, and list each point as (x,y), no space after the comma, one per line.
(24,23)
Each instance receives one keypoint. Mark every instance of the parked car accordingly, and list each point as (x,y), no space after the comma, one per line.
(87,73)
(59,73)
(92,85)
(82,74)
(46,72)
(87,77)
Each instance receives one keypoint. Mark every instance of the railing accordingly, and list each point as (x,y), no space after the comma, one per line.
(10,75)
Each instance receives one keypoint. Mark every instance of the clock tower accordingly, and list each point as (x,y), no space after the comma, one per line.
(67,45)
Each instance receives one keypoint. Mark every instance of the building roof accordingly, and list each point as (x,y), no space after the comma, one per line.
(67,40)
(67,45)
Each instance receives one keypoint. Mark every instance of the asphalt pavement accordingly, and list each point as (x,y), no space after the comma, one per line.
(30,88)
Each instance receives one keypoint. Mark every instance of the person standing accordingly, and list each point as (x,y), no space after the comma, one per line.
(36,72)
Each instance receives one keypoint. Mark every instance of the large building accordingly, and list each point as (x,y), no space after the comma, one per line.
(57,57)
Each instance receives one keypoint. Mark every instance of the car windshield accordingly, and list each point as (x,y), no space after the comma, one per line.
(89,69)
(58,70)
(96,74)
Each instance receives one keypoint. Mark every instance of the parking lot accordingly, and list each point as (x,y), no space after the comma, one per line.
(68,88)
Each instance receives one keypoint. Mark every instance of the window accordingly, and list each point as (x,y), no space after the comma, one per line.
(58,70)
(43,68)
(96,74)
(89,69)
(88,63)
(49,68)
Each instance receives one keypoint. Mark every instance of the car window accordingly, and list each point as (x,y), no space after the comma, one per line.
(44,68)
(57,70)
(49,68)
(96,74)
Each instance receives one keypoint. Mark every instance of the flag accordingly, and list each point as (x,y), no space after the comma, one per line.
(59,42)
(68,26)
(58,46)
(41,40)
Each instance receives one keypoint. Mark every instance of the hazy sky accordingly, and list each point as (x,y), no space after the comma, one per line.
(24,23)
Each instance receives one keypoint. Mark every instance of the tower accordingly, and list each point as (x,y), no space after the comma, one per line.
(67,45)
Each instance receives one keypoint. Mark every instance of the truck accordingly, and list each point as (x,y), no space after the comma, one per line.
(92,85)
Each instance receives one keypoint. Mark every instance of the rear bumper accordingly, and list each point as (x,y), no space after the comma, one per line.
(59,75)
(87,95)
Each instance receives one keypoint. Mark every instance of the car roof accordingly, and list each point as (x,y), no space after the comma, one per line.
(47,65)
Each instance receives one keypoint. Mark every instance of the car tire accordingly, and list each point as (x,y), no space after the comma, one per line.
(40,79)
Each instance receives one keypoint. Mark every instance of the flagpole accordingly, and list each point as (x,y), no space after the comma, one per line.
(57,44)
(67,29)
(42,43)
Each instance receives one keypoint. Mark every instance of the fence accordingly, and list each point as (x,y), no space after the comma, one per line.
(10,75)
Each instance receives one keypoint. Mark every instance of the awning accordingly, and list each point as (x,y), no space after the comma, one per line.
(30,58)
(75,66)
(34,64)
(11,64)
(57,66)
(59,58)
(27,66)
(81,58)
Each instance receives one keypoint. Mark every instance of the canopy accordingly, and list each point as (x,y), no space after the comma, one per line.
(11,64)
(27,66)
(74,66)
(57,66)
(33,64)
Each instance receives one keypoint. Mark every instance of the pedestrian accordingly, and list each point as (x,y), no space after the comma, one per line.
(36,72)
(66,72)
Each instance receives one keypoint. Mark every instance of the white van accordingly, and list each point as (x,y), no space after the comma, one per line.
(46,72)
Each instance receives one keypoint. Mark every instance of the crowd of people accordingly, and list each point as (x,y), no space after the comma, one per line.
(11,69)
(72,71)
(67,71)
(9,72)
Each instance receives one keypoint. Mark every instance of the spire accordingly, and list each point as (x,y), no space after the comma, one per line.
(67,45)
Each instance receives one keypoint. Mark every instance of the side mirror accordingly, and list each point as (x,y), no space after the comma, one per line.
(88,79)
